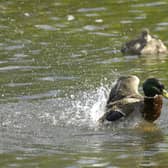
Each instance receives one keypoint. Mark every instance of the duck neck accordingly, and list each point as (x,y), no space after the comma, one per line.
(148,38)
(152,108)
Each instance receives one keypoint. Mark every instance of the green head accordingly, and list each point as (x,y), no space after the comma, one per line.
(152,87)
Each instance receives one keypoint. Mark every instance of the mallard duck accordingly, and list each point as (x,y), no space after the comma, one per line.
(124,99)
(145,44)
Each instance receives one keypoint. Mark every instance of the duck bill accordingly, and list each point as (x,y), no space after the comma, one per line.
(165,93)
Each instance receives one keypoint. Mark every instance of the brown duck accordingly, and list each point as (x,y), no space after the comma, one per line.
(145,44)
(124,99)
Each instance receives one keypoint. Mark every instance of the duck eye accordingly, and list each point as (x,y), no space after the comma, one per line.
(161,86)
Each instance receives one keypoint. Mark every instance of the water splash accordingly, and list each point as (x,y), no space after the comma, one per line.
(79,110)
(89,107)
(82,109)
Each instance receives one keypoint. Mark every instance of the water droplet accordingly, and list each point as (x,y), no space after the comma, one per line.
(27,14)
(72,96)
(99,20)
(70,17)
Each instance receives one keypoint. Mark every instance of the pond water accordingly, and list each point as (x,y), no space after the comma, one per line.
(58,60)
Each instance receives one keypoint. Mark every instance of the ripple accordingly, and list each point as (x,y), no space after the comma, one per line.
(149,164)
(19,41)
(36,51)
(91,9)
(14,47)
(92,27)
(57,78)
(47,27)
(161,28)
(3,27)
(18,84)
(20,55)
(162,24)
(3,62)
(126,21)
(150,4)
(105,34)
(92,14)
(10,68)
(99,20)
(109,61)
(52,93)
(140,17)
(135,11)
(59,25)
(55,18)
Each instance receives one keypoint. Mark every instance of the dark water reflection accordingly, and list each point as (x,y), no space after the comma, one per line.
(57,63)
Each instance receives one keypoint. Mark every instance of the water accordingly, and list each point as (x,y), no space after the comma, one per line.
(58,61)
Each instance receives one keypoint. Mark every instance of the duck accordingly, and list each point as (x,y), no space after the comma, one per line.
(145,44)
(125,99)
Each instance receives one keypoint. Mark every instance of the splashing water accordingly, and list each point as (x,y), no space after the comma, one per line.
(85,108)
(90,107)
(80,110)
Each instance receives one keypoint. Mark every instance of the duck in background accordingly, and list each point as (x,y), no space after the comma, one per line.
(124,99)
(145,44)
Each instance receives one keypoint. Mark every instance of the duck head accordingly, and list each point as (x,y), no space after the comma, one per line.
(153,90)
(145,35)
(153,87)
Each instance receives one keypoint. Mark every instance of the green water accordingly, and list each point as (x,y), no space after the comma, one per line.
(58,60)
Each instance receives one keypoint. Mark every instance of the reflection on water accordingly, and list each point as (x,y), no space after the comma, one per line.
(58,61)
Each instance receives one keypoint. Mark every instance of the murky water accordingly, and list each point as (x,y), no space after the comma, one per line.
(58,61)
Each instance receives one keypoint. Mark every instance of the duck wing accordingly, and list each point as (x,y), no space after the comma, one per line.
(122,108)
(134,46)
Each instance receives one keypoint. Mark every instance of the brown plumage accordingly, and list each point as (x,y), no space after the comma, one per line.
(152,108)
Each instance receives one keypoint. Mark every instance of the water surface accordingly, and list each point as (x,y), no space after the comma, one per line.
(58,61)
